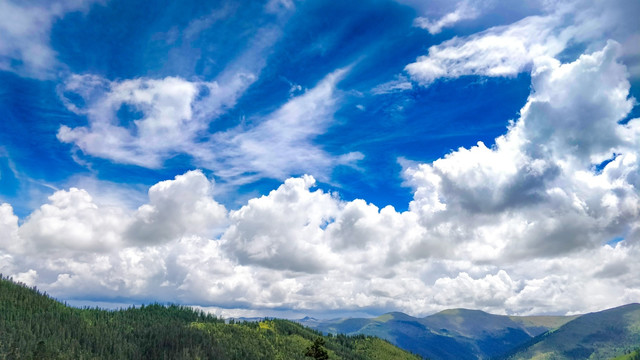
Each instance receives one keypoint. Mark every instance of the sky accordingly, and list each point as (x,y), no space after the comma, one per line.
(325,158)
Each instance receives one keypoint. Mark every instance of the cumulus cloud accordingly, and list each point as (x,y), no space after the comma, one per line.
(487,292)
(302,249)
(177,207)
(519,227)
(161,118)
(71,220)
(111,251)
(9,241)
(284,229)
(8,226)
(25,27)
(510,49)
(537,191)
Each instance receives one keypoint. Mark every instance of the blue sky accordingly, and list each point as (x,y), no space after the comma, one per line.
(313,157)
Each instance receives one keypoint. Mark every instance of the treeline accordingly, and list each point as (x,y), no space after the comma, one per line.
(34,326)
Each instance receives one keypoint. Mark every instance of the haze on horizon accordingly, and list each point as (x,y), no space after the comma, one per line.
(290,158)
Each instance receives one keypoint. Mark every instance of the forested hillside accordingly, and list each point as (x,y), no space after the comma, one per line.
(601,335)
(34,326)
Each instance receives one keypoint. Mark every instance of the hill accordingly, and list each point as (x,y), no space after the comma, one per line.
(600,335)
(35,326)
(450,334)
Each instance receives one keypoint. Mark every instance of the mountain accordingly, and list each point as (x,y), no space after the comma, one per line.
(35,326)
(600,335)
(450,334)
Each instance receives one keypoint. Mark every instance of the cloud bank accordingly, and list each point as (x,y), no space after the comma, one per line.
(546,220)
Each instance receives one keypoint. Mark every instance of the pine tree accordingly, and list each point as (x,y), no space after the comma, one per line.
(317,350)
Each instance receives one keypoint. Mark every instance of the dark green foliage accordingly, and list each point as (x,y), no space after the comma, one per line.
(317,350)
(34,326)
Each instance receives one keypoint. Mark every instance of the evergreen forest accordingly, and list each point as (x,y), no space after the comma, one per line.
(35,326)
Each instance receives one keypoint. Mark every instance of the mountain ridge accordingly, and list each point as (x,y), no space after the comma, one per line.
(597,335)
(460,333)
(33,325)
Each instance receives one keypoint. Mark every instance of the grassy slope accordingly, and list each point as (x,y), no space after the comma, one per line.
(34,326)
(537,325)
(601,335)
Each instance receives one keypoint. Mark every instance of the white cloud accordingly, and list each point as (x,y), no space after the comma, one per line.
(485,293)
(82,249)
(303,250)
(9,241)
(28,277)
(510,49)
(393,86)
(25,28)
(171,116)
(465,10)
(146,121)
(284,229)
(499,51)
(177,207)
(537,191)
(8,226)
(282,143)
(172,113)
(195,27)
(518,227)
(72,221)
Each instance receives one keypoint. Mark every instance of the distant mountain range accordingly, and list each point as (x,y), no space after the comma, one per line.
(34,326)
(474,334)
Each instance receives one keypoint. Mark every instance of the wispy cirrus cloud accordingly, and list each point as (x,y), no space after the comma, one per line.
(146,121)
(511,49)
(465,10)
(171,116)
(25,45)
(282,143)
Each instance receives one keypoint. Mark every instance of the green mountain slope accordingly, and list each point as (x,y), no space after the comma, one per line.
(635,355)
(450,334)
(34,326)
(600,335)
